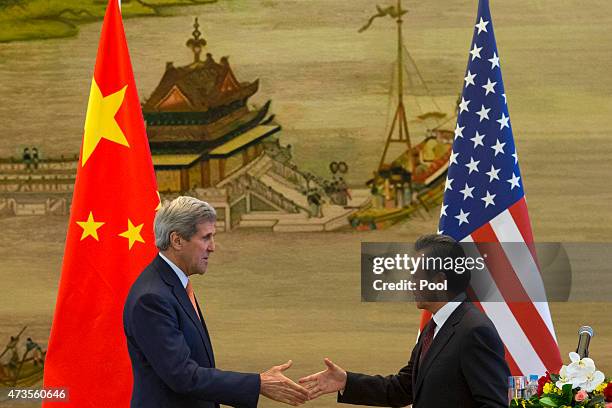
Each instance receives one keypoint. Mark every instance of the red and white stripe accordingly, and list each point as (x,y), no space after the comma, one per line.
(524,326)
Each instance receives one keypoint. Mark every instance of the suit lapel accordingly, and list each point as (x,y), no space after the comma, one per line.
(439,342)
(181,296)
(208,344)
(419,348)
(180,293)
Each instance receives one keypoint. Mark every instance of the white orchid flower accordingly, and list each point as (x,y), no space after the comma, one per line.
(580,367)
(592,381)
(565,379)
(574,357)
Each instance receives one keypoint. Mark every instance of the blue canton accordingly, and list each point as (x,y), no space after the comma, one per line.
(483,176)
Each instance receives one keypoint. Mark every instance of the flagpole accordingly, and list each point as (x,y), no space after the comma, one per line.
(401,110)
(400,63)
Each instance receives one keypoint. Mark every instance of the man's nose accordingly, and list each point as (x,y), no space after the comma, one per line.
(211,245)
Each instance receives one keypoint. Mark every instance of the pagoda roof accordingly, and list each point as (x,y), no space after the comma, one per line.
(198,87)
(244,140)
(230,148)
(174,160)
(195,138)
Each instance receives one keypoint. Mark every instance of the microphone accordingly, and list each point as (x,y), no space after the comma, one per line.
(584,338)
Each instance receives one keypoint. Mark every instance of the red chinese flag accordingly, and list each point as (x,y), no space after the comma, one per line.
(110,236)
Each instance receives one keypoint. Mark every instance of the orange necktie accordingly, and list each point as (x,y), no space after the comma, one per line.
(189,290)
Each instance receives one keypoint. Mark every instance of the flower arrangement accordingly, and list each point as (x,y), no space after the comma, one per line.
(578,384)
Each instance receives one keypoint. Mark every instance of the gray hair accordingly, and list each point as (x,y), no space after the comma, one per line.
(181,215)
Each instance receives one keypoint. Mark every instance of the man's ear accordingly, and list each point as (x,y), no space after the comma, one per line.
(176,242)
(440,277)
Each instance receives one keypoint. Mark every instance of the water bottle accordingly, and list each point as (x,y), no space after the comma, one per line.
(532,386)
(519,386)
(511,389)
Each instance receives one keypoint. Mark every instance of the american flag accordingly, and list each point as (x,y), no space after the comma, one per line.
(484,201)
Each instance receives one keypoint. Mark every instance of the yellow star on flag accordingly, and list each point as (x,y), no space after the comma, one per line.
(100,121)
(132,233)
(90,227)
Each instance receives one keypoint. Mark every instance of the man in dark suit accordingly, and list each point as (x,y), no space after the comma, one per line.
(458,360)
(168,343)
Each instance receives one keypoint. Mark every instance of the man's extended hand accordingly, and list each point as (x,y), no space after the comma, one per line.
(276,386)
(324,382)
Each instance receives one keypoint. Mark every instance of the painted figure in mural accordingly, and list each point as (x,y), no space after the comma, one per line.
(35,158)
(37,353)
(27,157)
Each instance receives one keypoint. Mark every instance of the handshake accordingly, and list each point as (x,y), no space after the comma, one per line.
(276,386)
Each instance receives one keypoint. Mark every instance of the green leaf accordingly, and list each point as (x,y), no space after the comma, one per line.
(598,399)
(548,402)
(568,395)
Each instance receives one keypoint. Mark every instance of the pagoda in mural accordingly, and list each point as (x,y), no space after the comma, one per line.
(209,142)
(199,124)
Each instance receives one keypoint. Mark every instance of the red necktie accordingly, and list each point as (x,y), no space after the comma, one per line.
(191,295)
(427,340)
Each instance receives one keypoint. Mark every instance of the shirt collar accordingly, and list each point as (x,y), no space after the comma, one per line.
(181,275)
(442,315)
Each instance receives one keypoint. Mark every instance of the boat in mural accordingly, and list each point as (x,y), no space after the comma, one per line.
(21,365)
(413,180)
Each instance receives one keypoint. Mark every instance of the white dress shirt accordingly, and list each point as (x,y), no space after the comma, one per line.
(442,315)
(181,275)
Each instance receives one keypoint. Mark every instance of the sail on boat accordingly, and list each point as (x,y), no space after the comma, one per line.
(414,179)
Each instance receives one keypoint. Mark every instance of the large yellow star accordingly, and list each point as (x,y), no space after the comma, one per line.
(132,233)
(90,227)
(100,121)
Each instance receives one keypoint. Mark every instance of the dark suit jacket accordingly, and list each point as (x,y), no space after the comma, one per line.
(172,356)
(464,367)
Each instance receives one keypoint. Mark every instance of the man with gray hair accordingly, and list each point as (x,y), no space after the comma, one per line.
(169,346)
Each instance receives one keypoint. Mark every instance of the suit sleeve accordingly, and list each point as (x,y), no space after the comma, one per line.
(155,330)
(375,390)
(485,369)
